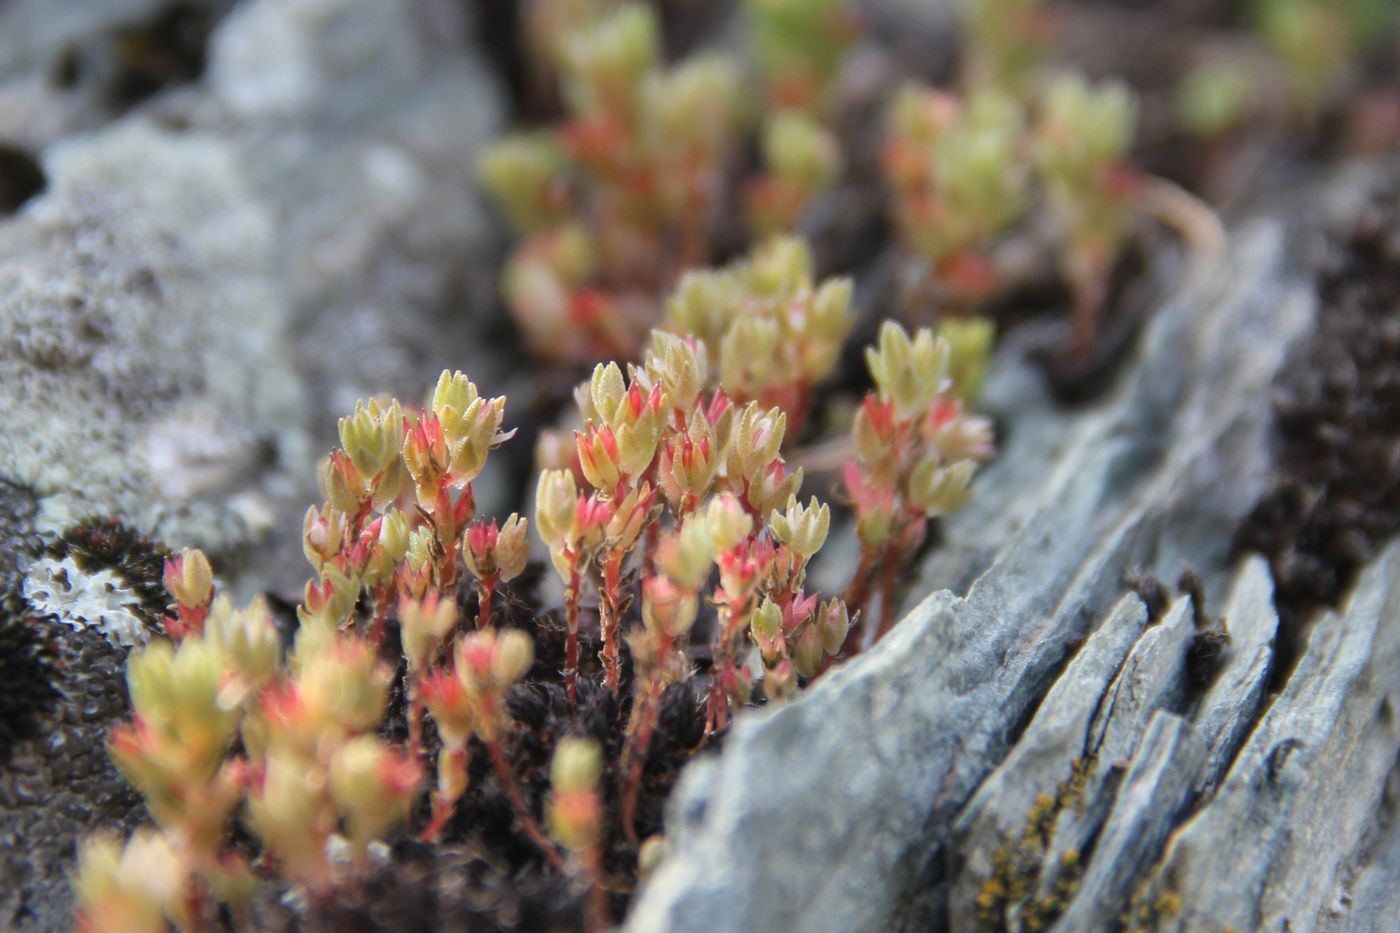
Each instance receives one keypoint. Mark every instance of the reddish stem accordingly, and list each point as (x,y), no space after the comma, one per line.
(888,572)
(383,596)
(484,592)
(598,913)
(528,824)
(638,741)
(608,618)
(722,670)
(443,807)
(571,601)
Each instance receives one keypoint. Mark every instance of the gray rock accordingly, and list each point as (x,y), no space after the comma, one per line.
(1151,681)
(132,293)
(1270,850)
(1155,789)
(1227,710)
(1042,764)
(205,278)
(836,812)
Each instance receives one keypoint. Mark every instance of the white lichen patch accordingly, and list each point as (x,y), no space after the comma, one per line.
(80,599)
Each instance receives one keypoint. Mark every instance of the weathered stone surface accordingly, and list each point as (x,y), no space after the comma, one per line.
(131,294)
(1042,761)
(836,812)
(212,270)
(1267,852)
(1150,682)
(1226,711)
(1155,789)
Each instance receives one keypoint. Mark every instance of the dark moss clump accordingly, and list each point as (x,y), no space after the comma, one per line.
(1337,425)
(29,674)
(97,544)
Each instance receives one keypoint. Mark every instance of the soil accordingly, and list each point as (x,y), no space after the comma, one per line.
(1337,441)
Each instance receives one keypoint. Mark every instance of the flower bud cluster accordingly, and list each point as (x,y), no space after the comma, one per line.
(958,176)
(643,154)
(800,46)
(220,721)
(916,448)
(771,332)
(964,169)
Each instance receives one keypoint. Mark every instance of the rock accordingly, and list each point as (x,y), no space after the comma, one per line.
(1043,762)
(1155,790)
(131,293)
(838,811)
(1226,711)
(1267,852)
(222,260)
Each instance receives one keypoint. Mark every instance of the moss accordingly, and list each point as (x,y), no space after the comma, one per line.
(1015,868)
(1147,911)
(28,674)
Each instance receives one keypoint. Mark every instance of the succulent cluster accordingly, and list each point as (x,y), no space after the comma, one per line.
(675,496)
(628,192)
(916,450)
(965,170)
(1300,57)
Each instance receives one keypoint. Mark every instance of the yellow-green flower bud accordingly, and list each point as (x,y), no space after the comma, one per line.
(373,787)
(748,356)
(246,643)
(758,437)
(970,342)
(372,438)
(189,578)
(606,390)
(939,489)
(667,607)
(1082,130)
(728,522)
(514,654)
(680,366)
(578,762)
(423,624)
(696,105)
(573,811)
(773,488)
(609,57)
(524,173)
(833,622)
(687,555)
(512,547)
(910,373)
(828,322)
(289,813)
(802,529)
(137,887)
(341,688)
(323,535)
(807,651)
(390,547)
(780,268)
(556,505)
(703,305)
(767,624)
(800,151)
